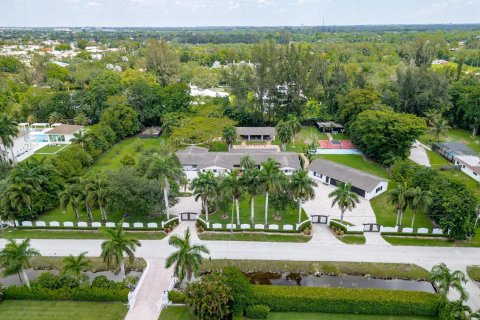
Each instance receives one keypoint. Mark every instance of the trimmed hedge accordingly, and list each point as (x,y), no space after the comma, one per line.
(74,294)
(257,311)
(176,296)
(342,227)
(343,300)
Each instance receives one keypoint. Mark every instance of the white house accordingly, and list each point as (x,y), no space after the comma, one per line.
(63,133)
(470,165)
(21,145)
(365,185)
(196,159)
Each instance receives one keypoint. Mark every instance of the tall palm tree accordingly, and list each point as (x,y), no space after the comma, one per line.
(8,131)
(420,200)
(444,280)
(80,138)
(295,126)
(302,189)
(55,117)
(284,132)
(81,119)
(399,197)
(165,169)
(457,310)
(235,187)
(438,128)
(70,195)
(15,258)
(205,186)
(271,181)
(76,265)
(251,184)
(188,257)
(344,197)
(229,134)
(116,246)
(18,196)
(246,162)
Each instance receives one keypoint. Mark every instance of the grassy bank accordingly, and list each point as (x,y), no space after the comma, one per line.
(75,234)
(352,239)
(432,242)
(474,272)
(47,263)
(376,270)
(61,310)
(254,237)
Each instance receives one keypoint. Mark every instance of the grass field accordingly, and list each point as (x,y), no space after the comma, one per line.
(474,272)
(254,237)
(358,162)
(75,234)
(457,135)
(352,239)
(375,270)
(436,160)
(288,217)
(386,213)
(303,138)
(182,313)
(51,149)
(432,242)
(61,310)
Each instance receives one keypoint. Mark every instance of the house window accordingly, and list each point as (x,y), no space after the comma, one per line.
(378,189)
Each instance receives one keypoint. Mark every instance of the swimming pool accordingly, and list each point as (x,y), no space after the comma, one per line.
(338,151)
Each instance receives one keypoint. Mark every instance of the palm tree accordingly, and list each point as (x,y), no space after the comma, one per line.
(234,185)
(271,181)
(302,189)
(70,195)
(80,138)
(251,184)
(205,186)
(229,134)
(284,132)
(444,280)
(55,117)
(118,245)
(344,197)
(188,257)
(246,162)
(81,119)
(420,200)
(295,125)
(76,265)
(165,169)
(18,196)
(8,131)
(438,128)
(457,310)
(15,258)
(399,197)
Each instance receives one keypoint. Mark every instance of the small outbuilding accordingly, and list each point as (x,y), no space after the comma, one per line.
(364,184)
(450,150)
(63,133)
(257,133)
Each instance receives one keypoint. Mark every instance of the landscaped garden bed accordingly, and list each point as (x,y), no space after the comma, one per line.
(253,236)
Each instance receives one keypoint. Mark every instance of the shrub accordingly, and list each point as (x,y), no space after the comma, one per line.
(50,281)
(305,226)
(241,289)
(342,300)
(103,282)
(176,296)
(74,294)
(257,311)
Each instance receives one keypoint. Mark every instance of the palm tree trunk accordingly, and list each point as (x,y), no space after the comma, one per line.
(284,146)
(341,215)
(122,269)
(252,209)
(293,140)
(266,208)
(13,156)
(398,217)
(299,210)
(75,210)
(413,218)
(165,198)
(237,205)
(401,217)
(25,277)
(206,209)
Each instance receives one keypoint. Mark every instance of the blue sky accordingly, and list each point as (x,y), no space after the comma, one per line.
(177,13)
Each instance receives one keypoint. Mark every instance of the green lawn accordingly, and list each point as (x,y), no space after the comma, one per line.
(182,313)
(131,146)
(352,239)
(218,146)
(303,138)
(357,161)
(61,310)
(290,217)
(51,149)
(75,234)
(254,237)
(474,272)
(432,242)
(436,160)
(386,214)
(457,135)
(375,270)
(340,136)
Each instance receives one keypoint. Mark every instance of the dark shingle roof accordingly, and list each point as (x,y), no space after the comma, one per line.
(256,131)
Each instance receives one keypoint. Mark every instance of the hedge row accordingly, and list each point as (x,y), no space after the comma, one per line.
(342,227)
(176,296)
(343,300)
(74,294)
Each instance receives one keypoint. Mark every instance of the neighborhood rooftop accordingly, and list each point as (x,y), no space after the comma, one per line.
(65,129)
(345,174)
(198,157)
(454,148)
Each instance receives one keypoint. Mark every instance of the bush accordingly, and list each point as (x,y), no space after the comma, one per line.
(74,294)
(241,289)
(257,311)
(305,226)
(103,282)
(176,296)
(342,300)
(50,281)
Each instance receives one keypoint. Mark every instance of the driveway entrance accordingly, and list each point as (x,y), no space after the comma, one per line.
(371,227)
(188,216)
(316,218)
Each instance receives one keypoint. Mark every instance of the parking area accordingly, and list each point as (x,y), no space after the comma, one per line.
(322,205)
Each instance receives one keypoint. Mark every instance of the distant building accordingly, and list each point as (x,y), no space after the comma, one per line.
(451,149)
(62,133)
(256,133)
(195,91)
(470,165)
(439,61)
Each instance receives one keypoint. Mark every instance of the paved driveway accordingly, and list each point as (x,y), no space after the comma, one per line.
(322,205)
(419,155)
(186,204)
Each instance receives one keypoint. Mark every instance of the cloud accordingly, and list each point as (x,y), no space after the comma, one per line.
(94,4)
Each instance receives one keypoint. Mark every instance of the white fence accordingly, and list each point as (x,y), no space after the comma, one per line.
(132,296)
(89,225)
(163,302)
